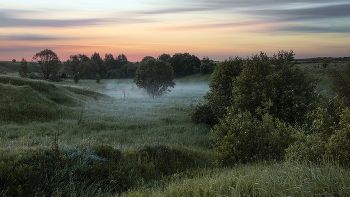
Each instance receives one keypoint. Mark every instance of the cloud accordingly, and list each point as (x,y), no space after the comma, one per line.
(315,29)
(8,18)
(304,14)
(31,38)
(176,10)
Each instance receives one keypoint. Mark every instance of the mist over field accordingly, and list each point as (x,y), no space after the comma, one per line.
(127,101)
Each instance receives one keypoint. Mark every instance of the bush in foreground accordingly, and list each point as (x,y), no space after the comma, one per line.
(241,138)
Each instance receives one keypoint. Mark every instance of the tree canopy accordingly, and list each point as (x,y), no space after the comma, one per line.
(49,62)
(154,76)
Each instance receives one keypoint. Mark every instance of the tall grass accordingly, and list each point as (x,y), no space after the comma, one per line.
(260,179)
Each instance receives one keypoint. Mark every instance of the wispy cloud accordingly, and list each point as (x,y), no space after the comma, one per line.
(304,14)
(9,18)
(315,29)
(31,37)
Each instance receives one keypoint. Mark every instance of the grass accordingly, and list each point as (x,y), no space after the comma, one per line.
(114,140)
(259,179)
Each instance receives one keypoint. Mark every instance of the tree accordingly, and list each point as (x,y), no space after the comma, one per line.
(109,61)
(23,68)
(207,65)
(184,64)
(72,65)
(155,76)
(49,63)
(13,60)
(164,57)
(98,65)
(220,94)
(274,81)
(121,60)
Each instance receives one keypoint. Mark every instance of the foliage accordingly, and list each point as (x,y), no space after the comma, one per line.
(115,74)
(184,64)
(164,57)
(155,76)
(240,137)
(340,83)
(327,139)
(248,84)
(99,67)
(202,113)
(129,69)
(98,78)
(207,65)
(277,81)
(220,95)
(23,69)
(76,78)
(49,62)
(13,60)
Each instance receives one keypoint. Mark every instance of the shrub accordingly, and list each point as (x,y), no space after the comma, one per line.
(98,78)
(202,113)
(64,76)
(76,78)
(327,140)
(240,137)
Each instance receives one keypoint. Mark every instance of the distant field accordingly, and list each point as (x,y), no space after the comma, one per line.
(10,67)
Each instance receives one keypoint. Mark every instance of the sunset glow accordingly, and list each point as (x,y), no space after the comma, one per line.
(218,29)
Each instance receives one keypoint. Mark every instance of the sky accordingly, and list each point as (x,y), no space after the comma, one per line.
(218,29)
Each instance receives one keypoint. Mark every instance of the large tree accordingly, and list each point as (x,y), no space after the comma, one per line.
(49,63)
(155,76)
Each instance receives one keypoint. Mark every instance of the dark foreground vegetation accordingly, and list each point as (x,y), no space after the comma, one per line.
(268,126)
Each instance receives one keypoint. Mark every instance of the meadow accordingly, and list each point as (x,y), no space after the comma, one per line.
(111,139)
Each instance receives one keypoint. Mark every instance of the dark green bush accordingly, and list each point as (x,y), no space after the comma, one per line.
(240,137)
(274,80)
(98,78)
(220,95)
(109,153)
(76,78)
(327,140)
(202,113)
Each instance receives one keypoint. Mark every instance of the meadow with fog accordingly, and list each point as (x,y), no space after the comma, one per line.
(255,126)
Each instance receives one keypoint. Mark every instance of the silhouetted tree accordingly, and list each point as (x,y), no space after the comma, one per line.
(49,63)
(164,57)
(99,66)
(121,60)
(184,64)
(109,61)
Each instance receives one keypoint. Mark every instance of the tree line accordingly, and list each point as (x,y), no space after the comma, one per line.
(81,66)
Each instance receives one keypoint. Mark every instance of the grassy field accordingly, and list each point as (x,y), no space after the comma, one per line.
(111,139)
